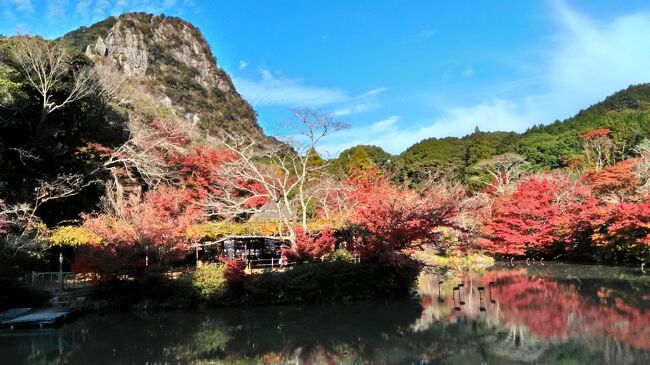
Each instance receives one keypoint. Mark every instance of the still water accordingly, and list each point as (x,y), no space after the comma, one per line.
(537,314)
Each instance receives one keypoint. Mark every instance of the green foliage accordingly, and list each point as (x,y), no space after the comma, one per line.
(29,153)
(359,158)
(10,90)
(84,36)
(210,280)
(340,255)
(557,145)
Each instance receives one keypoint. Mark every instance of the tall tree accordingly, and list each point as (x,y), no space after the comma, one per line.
(46,66)
(282,174)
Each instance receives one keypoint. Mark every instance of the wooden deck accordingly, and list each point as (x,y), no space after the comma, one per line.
(25,317)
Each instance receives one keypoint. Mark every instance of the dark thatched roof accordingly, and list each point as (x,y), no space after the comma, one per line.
(269,213)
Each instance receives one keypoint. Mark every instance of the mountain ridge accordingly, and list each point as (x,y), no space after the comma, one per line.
(171,57)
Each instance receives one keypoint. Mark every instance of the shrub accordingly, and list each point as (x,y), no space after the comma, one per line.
(210,280)
(329,282)
(309,247)
(152,291)
(234,271)
(341,255)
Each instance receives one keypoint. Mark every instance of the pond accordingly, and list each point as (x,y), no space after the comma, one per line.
(528,314)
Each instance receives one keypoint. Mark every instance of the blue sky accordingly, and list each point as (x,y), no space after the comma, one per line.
(399,71)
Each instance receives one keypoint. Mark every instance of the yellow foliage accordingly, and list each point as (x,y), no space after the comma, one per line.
(73,236)
(216,230)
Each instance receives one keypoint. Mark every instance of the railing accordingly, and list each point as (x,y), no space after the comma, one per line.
(269,263)
(57,280)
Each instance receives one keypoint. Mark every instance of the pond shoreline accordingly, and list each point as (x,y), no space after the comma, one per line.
(527,314)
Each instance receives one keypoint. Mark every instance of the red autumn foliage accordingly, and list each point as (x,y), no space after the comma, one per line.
(170,132)
(596,133)
(199,170)
(391,219)
(255,192)
(234,270)
(155,227)
(619,179)
(625,223)
(542,211)
(309,247)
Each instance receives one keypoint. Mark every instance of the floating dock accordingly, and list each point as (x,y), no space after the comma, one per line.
(25,317)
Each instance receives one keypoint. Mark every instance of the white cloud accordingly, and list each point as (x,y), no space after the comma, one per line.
(361,103)
(56,9)
(421,36)
(100,9)
(272,89)
(23,6)
(242,64)
(355,109)
(83,7)
(585,61)
(496,114)
(468,72)
(372,92)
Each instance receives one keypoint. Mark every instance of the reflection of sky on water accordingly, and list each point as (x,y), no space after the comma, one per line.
(557,313)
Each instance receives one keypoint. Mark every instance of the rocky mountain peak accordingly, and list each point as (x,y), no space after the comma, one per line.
(173,59)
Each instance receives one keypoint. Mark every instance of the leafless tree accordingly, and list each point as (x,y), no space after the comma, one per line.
(643,167)
(599,151)
(45,65)
(142,159)
(114,84)
(332,196)
(24,225)
(504,169)
(284,174)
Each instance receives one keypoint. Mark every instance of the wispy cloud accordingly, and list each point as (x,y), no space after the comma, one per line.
(395,137)
(361,103)
(56,9)
(242,65)
(420,36)
(270,89)
(100,9)
(275,89)
(584,62)
(355,108)
(372,92)
(468,72)
(23,6)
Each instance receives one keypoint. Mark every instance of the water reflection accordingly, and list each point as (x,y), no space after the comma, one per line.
(550,314)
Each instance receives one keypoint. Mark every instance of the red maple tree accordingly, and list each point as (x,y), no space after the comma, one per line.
(311,247)
(391,219)
(541,212)
(150,232)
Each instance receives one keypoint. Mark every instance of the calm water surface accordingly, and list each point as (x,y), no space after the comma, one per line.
(551,314)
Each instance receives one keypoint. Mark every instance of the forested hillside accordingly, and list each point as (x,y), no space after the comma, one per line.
(558,145)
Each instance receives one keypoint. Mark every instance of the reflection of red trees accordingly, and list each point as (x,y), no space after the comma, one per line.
(550,309)
(543,306)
